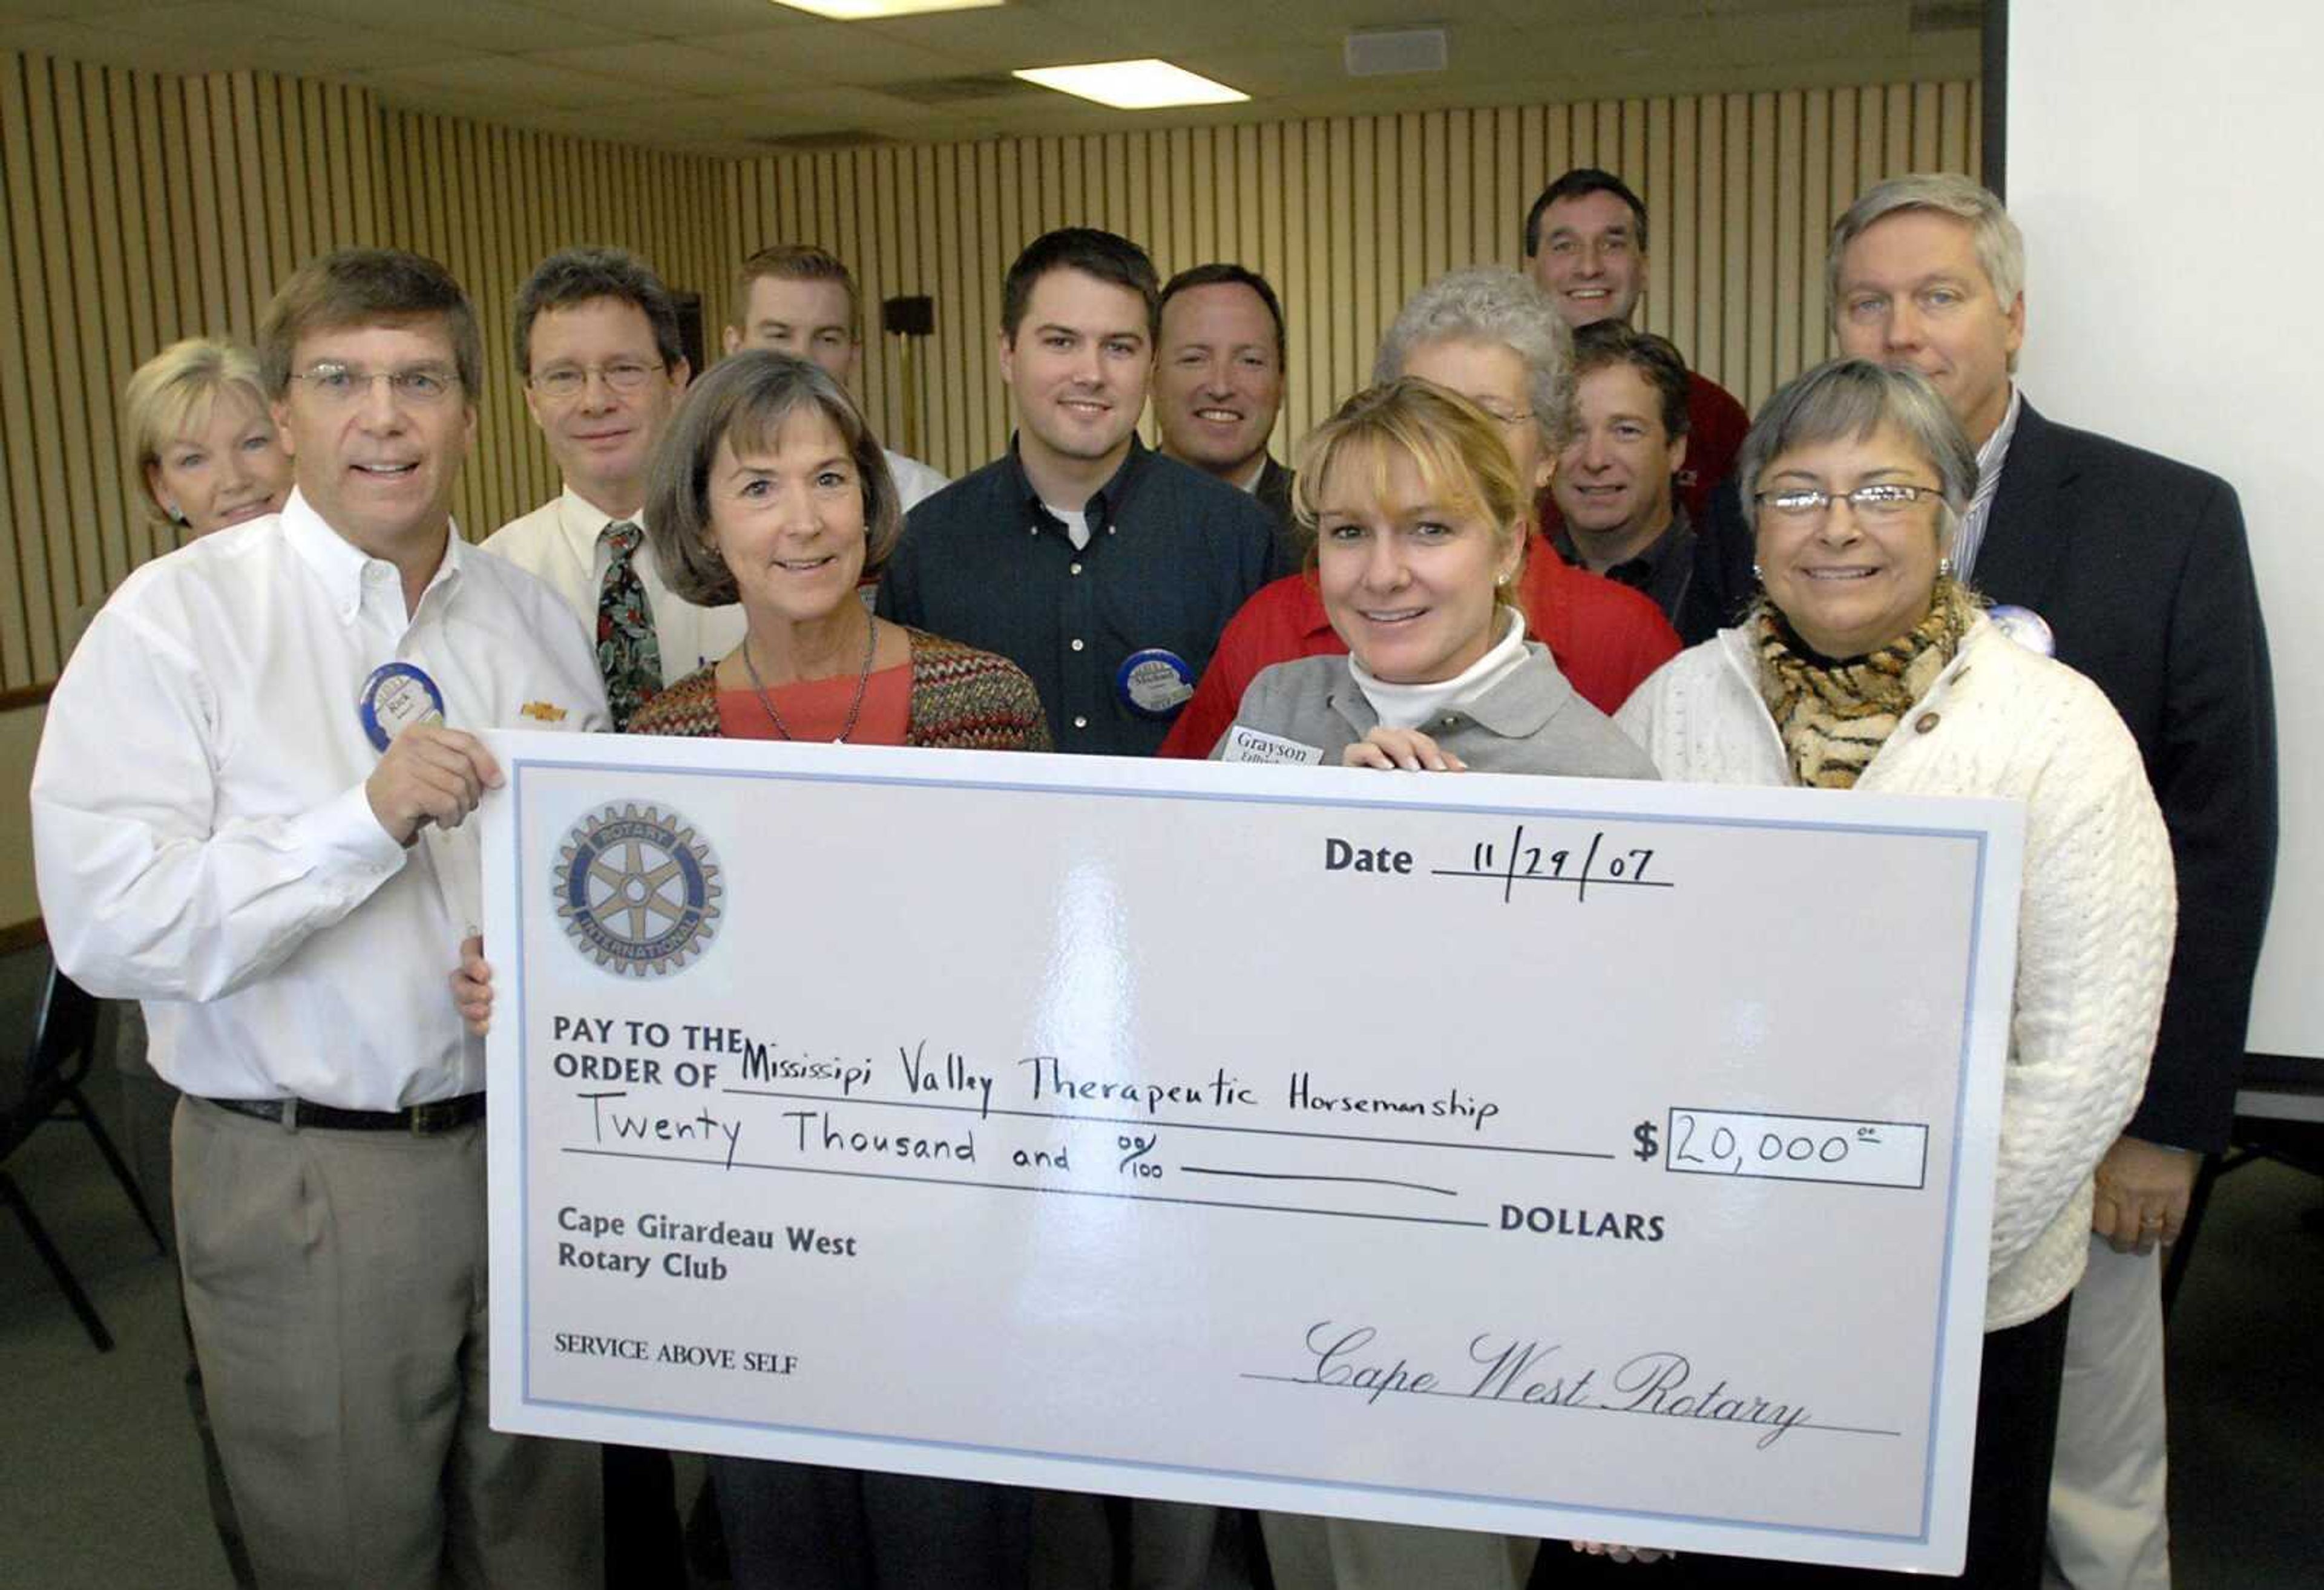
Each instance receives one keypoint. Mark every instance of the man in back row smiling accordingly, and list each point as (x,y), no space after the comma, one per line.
(1585,243)
(1103,570)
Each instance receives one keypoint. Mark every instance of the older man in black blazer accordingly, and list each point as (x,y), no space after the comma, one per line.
(2137,567)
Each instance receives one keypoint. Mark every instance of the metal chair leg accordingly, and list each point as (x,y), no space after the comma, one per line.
(13,1197)
(121,1173)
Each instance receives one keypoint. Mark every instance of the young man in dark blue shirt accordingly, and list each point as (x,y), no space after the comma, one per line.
(1102,568)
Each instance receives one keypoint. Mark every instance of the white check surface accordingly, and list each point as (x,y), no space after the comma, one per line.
(1566,1158)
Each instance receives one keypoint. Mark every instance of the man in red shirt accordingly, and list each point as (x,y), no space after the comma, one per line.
(1489,335)
(1585,242)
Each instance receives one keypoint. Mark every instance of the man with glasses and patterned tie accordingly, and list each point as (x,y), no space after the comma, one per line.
(247,812)
(597,348)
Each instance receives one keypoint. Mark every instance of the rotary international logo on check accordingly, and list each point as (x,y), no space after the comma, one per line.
(638,890)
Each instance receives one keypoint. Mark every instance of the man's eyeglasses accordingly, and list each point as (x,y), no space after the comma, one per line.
(421,385)
(567,381)
(1881,500)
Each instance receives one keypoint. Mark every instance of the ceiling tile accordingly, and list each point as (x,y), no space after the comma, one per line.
(20,10)
(775,70)
(47,36)
(477,24)
(347,50)
(1020,33)
(516,83)
(843,52)
(681,19)
(661,65)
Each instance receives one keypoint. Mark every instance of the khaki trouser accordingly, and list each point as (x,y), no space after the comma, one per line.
(2108,1484)
(336,1286)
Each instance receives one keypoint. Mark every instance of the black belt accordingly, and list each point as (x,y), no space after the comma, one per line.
(422,1120)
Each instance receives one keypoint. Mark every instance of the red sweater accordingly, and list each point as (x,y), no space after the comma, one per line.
(1716,426)
(1605,639)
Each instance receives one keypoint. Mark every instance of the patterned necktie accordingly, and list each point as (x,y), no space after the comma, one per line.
(628,655)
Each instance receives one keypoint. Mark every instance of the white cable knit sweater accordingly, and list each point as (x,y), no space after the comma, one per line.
(2095,920)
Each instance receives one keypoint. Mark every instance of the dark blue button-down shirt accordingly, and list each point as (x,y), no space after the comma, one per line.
(1173,552)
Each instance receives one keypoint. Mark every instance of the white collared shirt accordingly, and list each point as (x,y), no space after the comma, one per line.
(563,542)
(1970,536)
(199,826)
(915,480)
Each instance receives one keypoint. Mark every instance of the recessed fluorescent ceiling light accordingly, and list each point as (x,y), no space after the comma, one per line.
(863,10)
(1133,85)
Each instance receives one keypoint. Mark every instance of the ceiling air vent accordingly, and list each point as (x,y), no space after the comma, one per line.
(949,91)
(1382,52)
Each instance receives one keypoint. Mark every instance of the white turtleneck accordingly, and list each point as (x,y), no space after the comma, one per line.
(1408,706)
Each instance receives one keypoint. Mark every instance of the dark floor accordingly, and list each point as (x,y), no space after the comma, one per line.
(100,1483)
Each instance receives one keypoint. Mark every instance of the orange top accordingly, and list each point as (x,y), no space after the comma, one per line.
(817,709)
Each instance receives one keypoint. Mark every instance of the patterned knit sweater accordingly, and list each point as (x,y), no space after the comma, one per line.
(2095,914)
(963,699)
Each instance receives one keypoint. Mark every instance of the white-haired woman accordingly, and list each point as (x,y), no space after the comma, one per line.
(1865,665)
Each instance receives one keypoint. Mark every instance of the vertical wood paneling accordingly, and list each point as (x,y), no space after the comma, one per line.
(143,207)
(1348,216)
(24,618)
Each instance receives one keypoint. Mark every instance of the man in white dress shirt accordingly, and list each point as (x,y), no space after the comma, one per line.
(597,348)
(219,833)
(797,299)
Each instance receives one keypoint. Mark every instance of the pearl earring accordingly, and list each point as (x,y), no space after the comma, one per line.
(1944,568)
(1758,577)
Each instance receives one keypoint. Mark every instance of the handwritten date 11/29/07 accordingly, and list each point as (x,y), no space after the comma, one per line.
(1531,859)
(1520,859)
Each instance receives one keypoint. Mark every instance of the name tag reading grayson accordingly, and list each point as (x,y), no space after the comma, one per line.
(1217,1133)
(1249,744)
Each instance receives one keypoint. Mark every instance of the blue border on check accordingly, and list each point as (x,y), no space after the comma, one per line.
(1960,1102)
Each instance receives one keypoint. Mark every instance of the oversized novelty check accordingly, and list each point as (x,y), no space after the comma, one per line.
(1557,1157)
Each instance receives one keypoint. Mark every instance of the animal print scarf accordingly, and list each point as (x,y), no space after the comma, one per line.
(1834,716)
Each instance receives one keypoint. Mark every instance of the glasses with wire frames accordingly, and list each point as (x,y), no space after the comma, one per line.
(420,385)
(568,380)
(1878,499)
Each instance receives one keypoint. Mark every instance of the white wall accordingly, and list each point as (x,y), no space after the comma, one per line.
(2161,160)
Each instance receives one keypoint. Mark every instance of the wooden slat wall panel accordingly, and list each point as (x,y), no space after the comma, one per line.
(1348,216)
(140,207)
(491,202)
(143,207)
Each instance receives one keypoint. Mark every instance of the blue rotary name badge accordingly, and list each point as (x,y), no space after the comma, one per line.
(2029,629)
(396,696)
(1155,682)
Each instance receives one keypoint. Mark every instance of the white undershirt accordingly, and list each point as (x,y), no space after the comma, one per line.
(1076,523)
(1408,706)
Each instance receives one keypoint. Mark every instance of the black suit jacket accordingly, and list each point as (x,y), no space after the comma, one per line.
(2140,566)
(1274,494)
